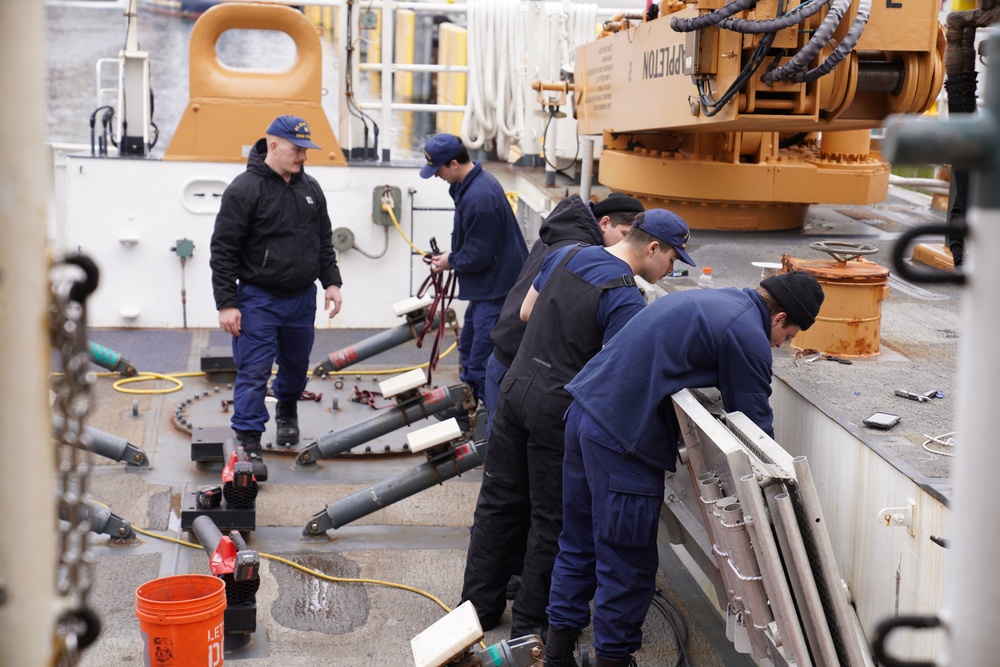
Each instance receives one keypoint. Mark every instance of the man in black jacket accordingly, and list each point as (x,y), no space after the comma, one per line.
(272,240)
(571,221)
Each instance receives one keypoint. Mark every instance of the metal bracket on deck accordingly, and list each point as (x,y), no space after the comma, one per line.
(900,516)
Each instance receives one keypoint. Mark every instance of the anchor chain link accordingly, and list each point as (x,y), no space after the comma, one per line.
(78,625)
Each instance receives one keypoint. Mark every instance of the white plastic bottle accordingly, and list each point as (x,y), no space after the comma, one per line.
(705,280)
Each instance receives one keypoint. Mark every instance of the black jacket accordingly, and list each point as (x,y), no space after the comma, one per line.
(271,234)
(571,221)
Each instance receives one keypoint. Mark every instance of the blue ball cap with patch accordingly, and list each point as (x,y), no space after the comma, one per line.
(439,149)
(668,228)
(293,128)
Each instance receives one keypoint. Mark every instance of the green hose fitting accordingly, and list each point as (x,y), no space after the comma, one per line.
(105,357)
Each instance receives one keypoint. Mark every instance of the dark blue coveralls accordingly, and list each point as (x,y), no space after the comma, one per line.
(622,434)
(272,241)
(519,511)
(487,253)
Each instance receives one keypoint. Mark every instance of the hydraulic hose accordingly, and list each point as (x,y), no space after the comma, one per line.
(800,61)
(750,27)
(712,18)
(843,49)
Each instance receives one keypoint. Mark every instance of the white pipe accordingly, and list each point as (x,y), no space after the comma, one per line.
(971,599)
(388,54)
(586,166)
(27,530)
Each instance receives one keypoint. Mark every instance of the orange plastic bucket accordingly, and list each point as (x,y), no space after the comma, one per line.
(181,620)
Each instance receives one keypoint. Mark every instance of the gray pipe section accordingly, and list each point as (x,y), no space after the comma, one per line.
(436,471)
(586,166)
(801,575)
(748,574)
(106,445)
(709,492)
(369,347)
(386,421)
(207,532)
(826,568)
(772,573)
(103,521)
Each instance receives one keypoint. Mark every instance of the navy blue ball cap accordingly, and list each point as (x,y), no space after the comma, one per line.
(668,228)
(439,149)
(293,128)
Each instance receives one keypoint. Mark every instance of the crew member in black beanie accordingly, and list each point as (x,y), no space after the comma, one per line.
(622,434)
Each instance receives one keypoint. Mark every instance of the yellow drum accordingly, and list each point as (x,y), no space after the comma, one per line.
(849,323)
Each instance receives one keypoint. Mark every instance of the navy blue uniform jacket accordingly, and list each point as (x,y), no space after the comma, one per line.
(487,248)
(698,338)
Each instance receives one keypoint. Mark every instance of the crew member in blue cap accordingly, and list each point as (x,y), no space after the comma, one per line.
(487,249)
(572,221)
(622,434)
(580,299)
(272,241)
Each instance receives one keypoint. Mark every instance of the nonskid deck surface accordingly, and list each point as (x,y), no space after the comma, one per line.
(419,542)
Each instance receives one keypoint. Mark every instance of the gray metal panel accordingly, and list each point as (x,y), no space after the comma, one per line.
(744,459)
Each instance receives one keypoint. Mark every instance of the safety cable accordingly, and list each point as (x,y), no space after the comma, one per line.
(545,135)
(310,571)
(392,214)
(677,624)
(444,294)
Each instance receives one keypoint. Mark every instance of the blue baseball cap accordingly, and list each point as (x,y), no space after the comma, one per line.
(440,149)
(668,228)
(293,128)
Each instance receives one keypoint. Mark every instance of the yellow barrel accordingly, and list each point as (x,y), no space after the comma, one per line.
(849,323)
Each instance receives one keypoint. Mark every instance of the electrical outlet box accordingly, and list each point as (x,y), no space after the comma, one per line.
(380,217)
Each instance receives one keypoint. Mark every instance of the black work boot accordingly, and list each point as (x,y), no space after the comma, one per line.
(250,441)
(559,647)
(513,586)
(286,416)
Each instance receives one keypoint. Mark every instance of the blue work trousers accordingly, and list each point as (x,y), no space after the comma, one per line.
(607,549)
(474,344)
(273,329)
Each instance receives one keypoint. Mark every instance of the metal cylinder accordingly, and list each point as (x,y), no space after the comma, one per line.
(803,581)
(366,501)
(369,347)
(772,573)
(207,532)
(748,570)
(386,421)
(850,320)
(105,444)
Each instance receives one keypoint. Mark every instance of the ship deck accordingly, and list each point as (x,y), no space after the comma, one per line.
(421,541)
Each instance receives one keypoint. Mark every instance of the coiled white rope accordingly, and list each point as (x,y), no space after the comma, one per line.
(498,88)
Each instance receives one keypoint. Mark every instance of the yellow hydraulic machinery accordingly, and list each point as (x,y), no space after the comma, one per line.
(849,323)
(739,115)
(230,108)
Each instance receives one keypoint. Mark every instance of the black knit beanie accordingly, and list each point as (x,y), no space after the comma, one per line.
(617,202)
(798,294)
